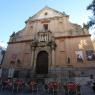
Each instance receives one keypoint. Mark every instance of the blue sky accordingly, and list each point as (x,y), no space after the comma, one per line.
(13,13)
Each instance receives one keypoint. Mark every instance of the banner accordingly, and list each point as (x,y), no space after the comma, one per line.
(79,56)
(90,55)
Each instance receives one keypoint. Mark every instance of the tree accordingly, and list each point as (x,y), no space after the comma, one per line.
(92,19)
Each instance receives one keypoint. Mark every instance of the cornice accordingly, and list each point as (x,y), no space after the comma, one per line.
(73,36)
(30,40)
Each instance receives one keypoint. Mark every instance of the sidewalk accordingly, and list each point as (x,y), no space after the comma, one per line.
(87,90)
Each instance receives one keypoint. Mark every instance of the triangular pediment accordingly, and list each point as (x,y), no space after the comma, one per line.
(47,12)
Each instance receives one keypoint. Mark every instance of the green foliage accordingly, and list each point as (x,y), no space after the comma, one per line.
(92,8)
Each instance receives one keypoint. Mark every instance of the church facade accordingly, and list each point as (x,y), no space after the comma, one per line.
(93,43)
(50,45)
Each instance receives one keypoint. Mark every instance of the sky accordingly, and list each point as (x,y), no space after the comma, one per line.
(14,13)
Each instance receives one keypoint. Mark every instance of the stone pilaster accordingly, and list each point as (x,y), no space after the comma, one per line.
(32,56)
(53,57)
(53,46)
(33,59)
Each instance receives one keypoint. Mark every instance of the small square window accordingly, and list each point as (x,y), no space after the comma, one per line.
(46,13)
(45,27)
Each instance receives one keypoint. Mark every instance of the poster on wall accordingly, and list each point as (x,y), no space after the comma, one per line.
(90,54)
(11,72)
(79,56)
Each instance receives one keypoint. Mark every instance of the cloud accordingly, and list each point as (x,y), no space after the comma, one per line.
(2,44)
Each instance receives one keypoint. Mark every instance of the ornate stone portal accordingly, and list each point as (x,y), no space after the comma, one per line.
(43,52)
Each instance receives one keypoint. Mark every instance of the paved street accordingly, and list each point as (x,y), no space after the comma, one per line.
(85,90)
(7,93)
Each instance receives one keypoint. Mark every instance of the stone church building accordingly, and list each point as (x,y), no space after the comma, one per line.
(50,46)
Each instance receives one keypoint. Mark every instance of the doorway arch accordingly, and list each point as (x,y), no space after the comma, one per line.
(42,63)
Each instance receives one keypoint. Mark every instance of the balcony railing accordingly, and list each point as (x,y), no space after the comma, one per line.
(44,36)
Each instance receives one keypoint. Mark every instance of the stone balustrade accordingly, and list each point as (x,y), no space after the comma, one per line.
(44,37)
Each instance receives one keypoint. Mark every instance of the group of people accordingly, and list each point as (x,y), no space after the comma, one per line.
(92,82)
(93,85)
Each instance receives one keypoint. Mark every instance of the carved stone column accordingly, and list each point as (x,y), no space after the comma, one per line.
(32,56)
(53,57)
(53,46)
(33,47)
